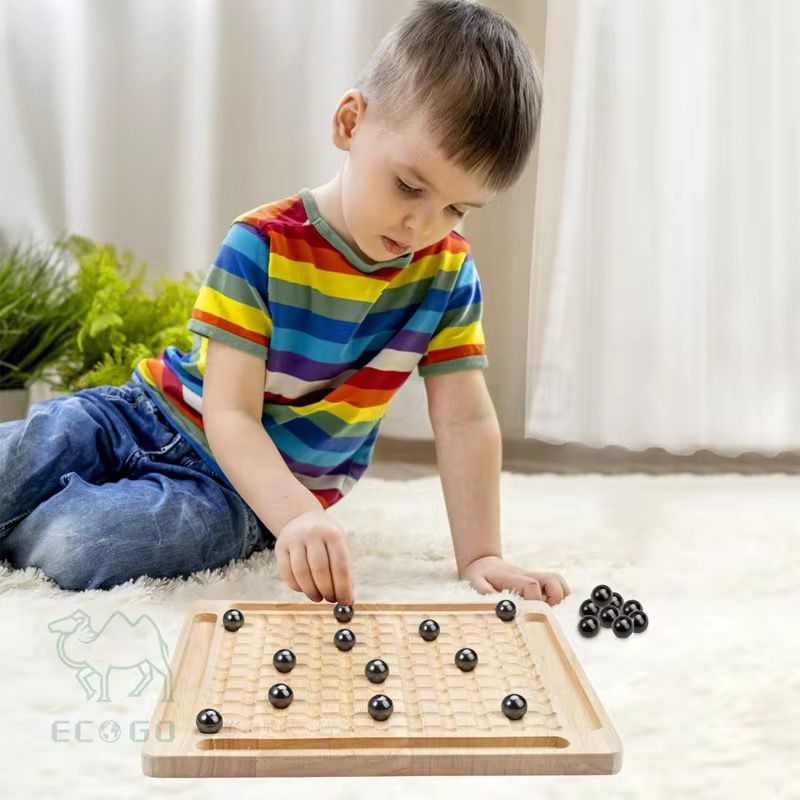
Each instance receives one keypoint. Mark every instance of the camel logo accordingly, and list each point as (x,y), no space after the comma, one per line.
(118,645)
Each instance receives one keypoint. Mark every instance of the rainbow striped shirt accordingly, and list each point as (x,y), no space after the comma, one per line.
(339,336)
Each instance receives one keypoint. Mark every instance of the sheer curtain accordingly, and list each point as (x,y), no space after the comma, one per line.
(665,291)
(152,124)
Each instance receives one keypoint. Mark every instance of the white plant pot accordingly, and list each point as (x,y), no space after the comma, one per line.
(13,404)
(16,403)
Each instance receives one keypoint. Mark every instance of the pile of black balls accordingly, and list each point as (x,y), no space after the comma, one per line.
(610,610)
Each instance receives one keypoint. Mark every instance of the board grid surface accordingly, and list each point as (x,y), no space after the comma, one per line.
(431,695)
(444,720)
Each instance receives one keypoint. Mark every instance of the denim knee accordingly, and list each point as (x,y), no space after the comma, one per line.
(61,552)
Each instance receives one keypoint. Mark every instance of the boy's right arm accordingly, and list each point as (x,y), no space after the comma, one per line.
(233,400)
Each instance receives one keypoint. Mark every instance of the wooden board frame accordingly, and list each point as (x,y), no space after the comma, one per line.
(565,730)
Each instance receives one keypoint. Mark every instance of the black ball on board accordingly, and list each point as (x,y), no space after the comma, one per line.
(607,616)
(376,670)
(506,610)
(284,660)
(380,707)
(466,659)
(514,706)
(344,639)
(616,600)
(209,720)
(233,619)
(588,626)
(601,594)
(280,695)
(343,613)
(429,629)
(622,626)
(589,606)
(640,621)
(631,605)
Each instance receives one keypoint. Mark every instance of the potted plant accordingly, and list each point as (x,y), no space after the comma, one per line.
(39,317)
(122,322)
(63,330)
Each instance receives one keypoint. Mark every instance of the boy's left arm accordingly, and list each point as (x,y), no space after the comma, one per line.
(469,455)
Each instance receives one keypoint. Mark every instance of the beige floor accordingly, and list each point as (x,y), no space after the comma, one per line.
(412,458)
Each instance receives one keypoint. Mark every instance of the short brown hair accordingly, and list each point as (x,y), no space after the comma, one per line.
(469,70)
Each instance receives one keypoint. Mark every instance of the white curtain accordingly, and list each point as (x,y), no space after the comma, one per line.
(151,124)
(665,292)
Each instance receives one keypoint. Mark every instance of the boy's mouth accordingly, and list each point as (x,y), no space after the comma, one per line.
(395,247)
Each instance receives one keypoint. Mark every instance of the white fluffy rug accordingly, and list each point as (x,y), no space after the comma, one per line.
(706,701)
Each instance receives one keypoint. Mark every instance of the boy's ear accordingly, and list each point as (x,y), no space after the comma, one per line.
(349,113)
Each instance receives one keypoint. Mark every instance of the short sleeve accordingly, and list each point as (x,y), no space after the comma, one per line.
(458,341)
(232,303)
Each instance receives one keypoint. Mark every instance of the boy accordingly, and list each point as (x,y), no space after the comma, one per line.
(314,313)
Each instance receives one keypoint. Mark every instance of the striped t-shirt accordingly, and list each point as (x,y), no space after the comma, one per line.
(338,335)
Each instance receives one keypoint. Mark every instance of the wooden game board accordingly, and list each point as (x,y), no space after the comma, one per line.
(445,721)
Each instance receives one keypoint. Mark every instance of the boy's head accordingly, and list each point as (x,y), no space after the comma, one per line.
(452,92)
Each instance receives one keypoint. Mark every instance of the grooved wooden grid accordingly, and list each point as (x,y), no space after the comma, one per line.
(431,695)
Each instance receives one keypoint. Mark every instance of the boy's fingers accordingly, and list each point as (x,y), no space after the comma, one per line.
(482,585)
(318,561)
(542,577)
(285,569)
(530,589)
(553,589)
(302,572)
(340,569)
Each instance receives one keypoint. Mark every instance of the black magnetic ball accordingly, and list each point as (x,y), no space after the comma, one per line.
(284,660)
(631,605)
(209,720)
(601,594)
(344,639)
(233,619)
(343,613)
(280,695)
(622,626)
(514,706)
(466,659)
(640,621)
(506,610)
(616,600)
(589,606)
(429,629)
(377,670)
(607,616)
(380,707)
(588,626)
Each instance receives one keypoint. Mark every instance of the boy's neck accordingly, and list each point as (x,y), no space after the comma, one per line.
(327,196)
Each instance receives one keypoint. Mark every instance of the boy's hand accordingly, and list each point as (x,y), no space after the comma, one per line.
(491,574)
(313,557)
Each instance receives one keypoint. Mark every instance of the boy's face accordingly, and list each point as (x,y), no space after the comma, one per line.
(381,169)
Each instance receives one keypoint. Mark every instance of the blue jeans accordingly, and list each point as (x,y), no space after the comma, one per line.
(98,487)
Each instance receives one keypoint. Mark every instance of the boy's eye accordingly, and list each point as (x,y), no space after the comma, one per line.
(404,187)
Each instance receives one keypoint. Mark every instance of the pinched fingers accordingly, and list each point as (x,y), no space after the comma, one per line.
(285,569)
(301,570)
(340,570)
(317,568)
(552,589)
(538,586)
(319,563)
